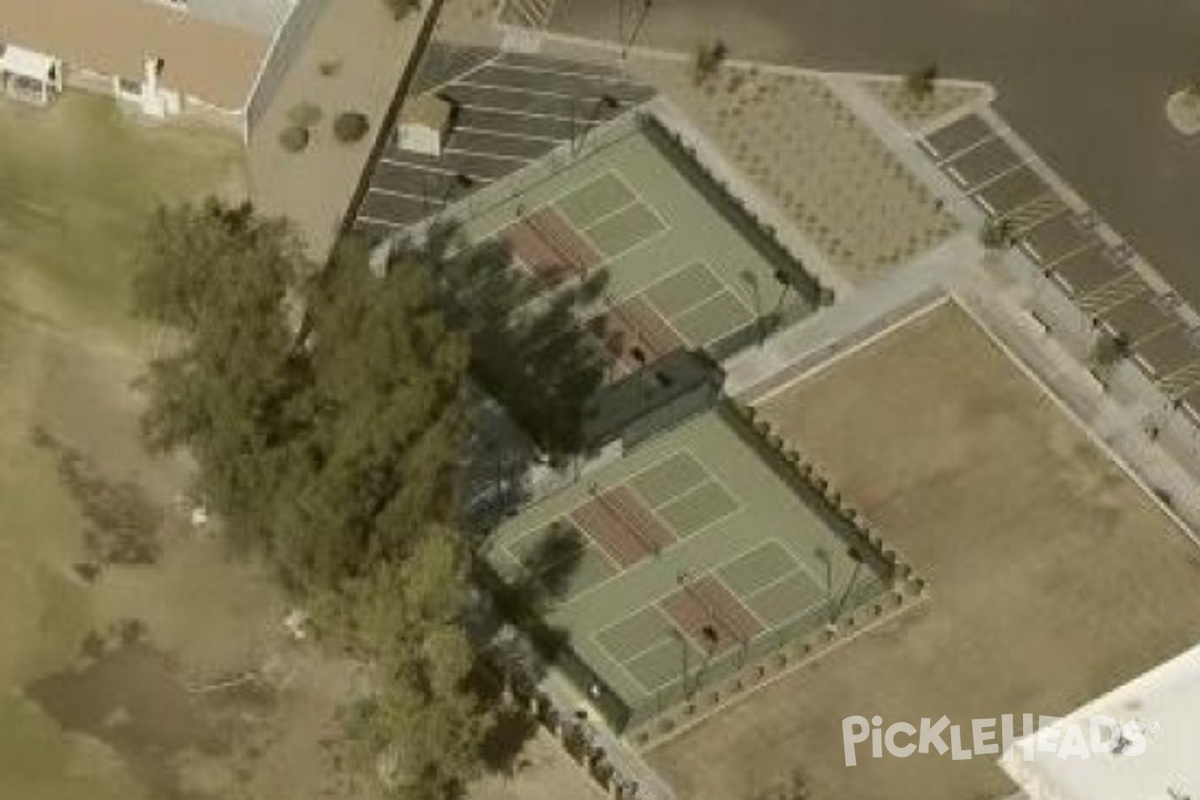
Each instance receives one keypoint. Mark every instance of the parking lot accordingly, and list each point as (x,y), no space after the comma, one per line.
(1085,85)
(1097,275)
(510,109)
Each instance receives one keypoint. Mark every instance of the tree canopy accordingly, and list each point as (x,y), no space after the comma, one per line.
(530,347)
(325,413)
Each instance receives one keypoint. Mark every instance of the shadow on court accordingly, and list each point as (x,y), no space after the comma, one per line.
(531,350)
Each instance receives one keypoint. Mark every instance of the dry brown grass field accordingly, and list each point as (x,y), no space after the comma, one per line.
(1053,576)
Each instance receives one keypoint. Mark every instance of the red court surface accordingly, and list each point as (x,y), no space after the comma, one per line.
(623,527)
(711,615)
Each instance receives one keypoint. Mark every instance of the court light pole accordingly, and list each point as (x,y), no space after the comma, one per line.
(579,130)
(683,662)
(858,562)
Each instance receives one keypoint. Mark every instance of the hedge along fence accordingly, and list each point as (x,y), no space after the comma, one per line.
(760,672)
(572,735)
(762,236)
(789,650)
(801,473)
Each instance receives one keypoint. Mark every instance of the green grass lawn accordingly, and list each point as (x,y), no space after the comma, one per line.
(77,182)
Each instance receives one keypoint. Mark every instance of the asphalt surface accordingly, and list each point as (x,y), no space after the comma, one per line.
(510,109)
(1083,81)
(1098,276)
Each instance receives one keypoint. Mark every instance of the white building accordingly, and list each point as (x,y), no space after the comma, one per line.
(1162,707)
(217,58)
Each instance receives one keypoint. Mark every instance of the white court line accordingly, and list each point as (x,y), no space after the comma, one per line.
(799,568)
(657,643)
(750,317)
(633,201)
(629,249)
(763,545)
(694,306)
(523,212)
(684,451)
(854,349)
(676,271)
(665,224)
(697,660)
(737,599)
(795,570)
(590,542)
(709,476)
(567,193)
(716,481)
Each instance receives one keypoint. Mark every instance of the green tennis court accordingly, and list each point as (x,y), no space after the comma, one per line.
(633,204)
(741,564)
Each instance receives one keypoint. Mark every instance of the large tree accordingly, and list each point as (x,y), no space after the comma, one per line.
(232,387)
(530,347)
(420,733)
(325,445)
(325,413)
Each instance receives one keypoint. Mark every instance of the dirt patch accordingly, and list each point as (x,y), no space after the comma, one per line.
(1053,577)
(543,771)
(122,523)
(128,695)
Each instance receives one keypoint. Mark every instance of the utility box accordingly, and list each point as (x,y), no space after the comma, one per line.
(425,124)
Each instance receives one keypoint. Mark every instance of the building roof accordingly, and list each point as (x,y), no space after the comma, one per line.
(24,62)
(214,63)
(427,110)
(651,395)
(257,16)
(1164,703)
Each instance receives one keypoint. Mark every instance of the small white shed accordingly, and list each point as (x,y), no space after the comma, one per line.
(424,124)
(28,74)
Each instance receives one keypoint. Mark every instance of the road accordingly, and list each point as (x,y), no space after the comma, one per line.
(1083,81)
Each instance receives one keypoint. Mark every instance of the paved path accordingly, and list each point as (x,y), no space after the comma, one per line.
(1085,83)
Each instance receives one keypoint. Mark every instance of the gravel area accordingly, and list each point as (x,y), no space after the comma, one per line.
(808,153)
(917,112)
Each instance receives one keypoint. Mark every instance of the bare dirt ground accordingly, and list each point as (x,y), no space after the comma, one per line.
(543,771)
(1053,577)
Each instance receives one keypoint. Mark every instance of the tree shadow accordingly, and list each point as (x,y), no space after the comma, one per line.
(511,730)
(531,347)
(552,564)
